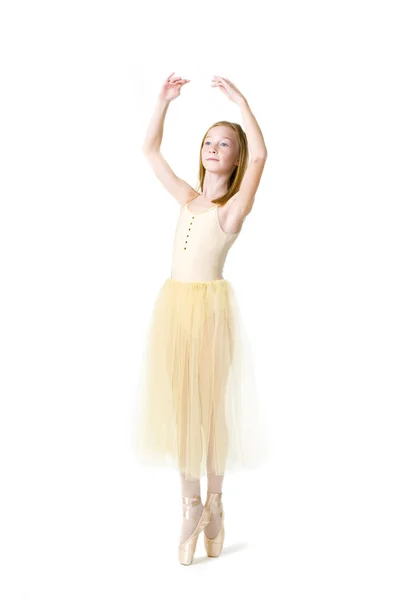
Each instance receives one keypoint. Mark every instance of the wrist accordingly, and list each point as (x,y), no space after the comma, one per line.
(242,101)
(163,101)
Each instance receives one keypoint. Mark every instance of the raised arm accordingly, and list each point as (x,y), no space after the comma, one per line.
(177,187)
(245,197)
(258,157)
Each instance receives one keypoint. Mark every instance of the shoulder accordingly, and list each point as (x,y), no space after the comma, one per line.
(189,195)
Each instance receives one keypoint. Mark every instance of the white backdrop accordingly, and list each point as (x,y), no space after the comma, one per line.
(86,234)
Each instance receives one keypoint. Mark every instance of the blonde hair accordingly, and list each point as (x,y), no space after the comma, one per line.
(238,172)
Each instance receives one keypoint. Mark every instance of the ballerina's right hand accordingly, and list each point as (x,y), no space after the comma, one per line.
(171,87)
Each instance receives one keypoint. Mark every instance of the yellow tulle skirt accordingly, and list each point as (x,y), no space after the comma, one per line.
(197,408)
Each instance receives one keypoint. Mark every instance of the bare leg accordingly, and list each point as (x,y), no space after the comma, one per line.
(190,488)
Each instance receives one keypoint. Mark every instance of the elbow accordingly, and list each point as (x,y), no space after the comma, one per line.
(149,149)
(259,153)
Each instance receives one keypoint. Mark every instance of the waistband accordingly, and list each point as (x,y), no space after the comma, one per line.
(199,282)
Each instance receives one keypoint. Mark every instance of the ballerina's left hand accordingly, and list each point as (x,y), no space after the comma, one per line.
(228,88)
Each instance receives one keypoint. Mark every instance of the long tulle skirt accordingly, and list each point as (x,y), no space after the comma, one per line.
(196,406)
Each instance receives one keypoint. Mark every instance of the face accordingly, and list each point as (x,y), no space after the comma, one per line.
(220,144)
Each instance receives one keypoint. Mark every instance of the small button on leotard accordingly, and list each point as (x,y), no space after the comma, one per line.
(200,246)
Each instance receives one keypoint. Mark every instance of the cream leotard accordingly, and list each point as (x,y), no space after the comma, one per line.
(200,245)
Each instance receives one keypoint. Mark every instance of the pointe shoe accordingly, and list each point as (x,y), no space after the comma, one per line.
(187,548)
(213,546)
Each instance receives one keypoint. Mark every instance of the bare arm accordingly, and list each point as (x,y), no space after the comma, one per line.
(257,147)
(177,187)
(242,201)
(154,132)
(246,195)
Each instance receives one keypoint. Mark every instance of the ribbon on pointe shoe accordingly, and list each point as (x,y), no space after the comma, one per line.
(190,502)
(214,503)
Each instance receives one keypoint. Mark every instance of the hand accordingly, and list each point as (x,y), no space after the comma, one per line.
(228,88)
(172,87)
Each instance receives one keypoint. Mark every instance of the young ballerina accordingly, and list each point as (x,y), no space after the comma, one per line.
(197,408)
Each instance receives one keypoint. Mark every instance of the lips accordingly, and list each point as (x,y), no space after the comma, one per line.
(212,158)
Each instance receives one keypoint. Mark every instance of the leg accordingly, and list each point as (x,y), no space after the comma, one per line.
(218,431)
(214,484)
(190,488)
(214,480)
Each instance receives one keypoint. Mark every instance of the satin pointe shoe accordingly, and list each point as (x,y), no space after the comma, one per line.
(213,546)
(187,548)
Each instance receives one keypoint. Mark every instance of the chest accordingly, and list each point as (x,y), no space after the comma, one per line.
(202,231)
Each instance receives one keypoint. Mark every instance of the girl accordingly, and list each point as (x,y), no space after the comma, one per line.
(196,400)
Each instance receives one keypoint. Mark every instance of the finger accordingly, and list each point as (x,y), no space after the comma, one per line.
(170,75)
(222,80)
